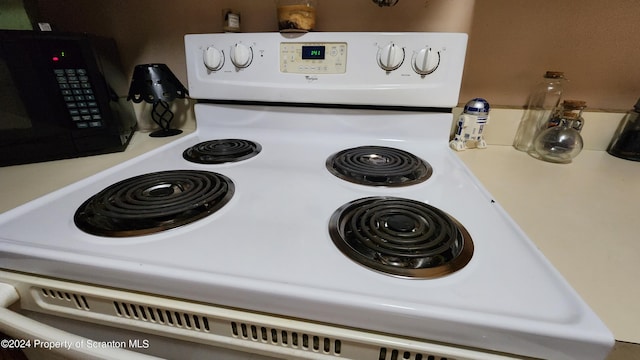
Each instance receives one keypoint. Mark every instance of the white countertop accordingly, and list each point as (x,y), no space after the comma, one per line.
(22,183)
(581,215)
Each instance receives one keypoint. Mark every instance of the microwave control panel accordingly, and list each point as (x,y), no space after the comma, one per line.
(79,98)
(76,89)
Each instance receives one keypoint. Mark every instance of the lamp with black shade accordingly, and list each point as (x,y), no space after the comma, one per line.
(157,85)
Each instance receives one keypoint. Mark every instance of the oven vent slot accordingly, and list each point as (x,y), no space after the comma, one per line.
(162,316)
(397,354)
(224,327)
(64,298)
(286,338)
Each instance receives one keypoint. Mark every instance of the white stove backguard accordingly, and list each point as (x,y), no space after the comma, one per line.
(269,249)
(348,68)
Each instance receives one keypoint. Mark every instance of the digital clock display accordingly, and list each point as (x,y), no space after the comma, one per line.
(313,52)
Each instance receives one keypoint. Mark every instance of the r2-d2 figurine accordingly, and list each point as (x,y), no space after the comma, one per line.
(471,124)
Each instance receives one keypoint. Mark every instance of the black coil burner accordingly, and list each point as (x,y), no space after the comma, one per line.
(222,151)
(154,202)
(401,237)
(379,166)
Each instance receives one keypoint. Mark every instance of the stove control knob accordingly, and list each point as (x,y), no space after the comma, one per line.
(213,58)
(390,57)
(426,61)
(241,55)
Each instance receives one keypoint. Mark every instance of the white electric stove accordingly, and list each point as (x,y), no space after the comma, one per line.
(316,212)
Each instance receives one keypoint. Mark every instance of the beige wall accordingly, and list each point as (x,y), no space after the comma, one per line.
(595,42)
(511,44)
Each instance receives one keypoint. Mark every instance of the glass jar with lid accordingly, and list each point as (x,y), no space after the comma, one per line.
(543,100)
(561,141)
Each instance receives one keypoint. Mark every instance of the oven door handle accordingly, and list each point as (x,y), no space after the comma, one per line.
(28,333)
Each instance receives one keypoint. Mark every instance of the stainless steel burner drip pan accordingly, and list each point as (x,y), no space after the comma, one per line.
(401,237)
(221,151)
(379,166)
(154,202)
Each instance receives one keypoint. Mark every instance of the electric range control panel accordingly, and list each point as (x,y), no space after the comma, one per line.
(394,69)
(313,58)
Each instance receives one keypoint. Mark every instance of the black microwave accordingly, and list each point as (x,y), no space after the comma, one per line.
(61,96)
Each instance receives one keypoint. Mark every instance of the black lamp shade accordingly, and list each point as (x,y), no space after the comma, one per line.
(156,84)
(153,83)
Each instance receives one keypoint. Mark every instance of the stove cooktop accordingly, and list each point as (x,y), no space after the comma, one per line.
(269,247)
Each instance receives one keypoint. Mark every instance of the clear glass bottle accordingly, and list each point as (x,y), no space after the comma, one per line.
(561,141)
(625,143)
(543,100)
